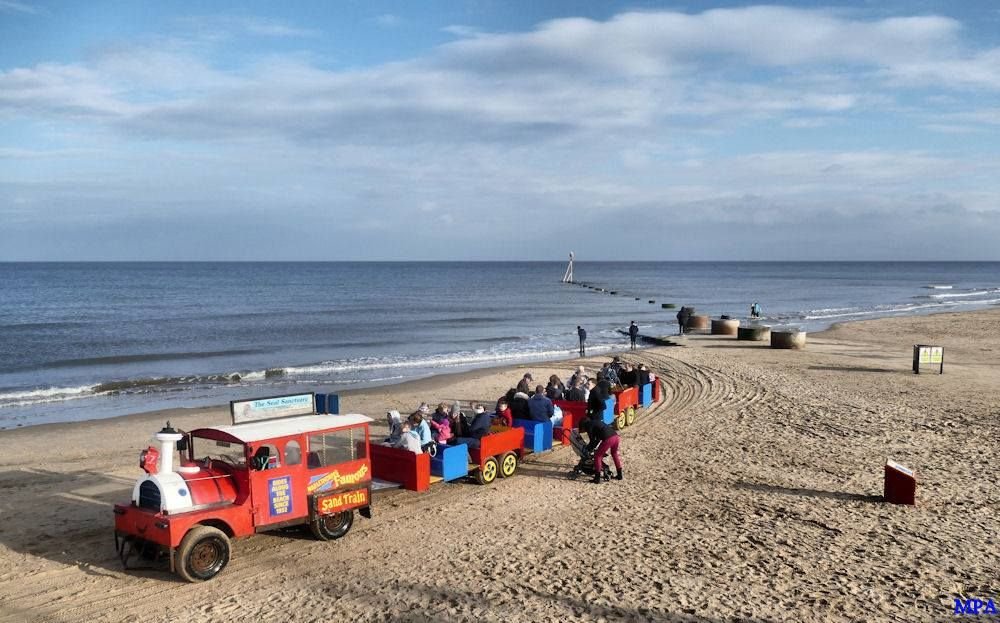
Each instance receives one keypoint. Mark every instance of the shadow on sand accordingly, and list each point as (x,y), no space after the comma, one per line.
(810,493)
(852,369)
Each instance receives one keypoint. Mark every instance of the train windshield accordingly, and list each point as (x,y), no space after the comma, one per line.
(232,453)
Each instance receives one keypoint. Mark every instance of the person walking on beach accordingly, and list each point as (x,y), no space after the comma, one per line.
(582,333)
(633,333)
(682,319)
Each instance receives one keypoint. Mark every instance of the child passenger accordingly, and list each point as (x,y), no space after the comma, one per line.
(503,414)
(441,424)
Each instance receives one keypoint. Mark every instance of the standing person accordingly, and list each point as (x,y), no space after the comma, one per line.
(633,333)
(582,333)
(604,439)
(756,310)
(682,319)
(595,401)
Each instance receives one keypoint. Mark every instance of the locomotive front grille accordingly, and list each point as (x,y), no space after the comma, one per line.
(149,495)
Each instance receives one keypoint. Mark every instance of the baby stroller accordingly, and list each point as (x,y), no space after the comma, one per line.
(586,463)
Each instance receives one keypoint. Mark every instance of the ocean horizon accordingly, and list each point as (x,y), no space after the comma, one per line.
(88,340)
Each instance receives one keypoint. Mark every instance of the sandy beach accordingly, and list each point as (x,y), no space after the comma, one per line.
(752,493)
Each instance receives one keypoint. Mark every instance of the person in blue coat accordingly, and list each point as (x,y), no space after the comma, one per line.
(540,408)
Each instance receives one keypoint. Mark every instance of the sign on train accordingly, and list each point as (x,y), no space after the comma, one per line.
(271,408)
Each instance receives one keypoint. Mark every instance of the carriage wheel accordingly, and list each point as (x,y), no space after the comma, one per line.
(630,416)
(621,421)
(488,472)
(508,465)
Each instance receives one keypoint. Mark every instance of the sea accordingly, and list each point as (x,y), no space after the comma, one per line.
(82,341)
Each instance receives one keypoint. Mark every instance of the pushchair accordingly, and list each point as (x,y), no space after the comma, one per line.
(586,462)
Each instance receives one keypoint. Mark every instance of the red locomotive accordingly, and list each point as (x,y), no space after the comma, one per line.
(278,465)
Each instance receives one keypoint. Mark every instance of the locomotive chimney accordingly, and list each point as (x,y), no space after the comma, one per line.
(167,438)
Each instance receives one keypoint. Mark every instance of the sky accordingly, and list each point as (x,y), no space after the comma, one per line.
(499,130)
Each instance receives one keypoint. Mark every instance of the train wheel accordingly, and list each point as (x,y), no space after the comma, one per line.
(508,465)
(329,527)
(488,473)
(203,553)
(621,421)
(630,416)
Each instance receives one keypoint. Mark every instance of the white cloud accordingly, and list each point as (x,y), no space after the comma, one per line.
(662,113)
(388,20)
(10,6)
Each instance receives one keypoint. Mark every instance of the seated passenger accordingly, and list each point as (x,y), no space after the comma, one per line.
(519,406)
(628,376)
(575,393)
(409,439)
(479,427)
(524,384)
(643,375)
(610,374)
(440,423)
(503,415)
(554,390)
(421,428)
(395,422)
(260,458)
(540,408)
(578,376)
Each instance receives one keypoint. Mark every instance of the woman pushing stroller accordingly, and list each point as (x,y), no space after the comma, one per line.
(604,439)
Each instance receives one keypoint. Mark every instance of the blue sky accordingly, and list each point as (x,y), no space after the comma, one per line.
(499,130)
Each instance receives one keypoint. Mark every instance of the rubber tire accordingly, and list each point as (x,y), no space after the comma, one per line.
(333,526)
(630,416)
(198,544)
(508,465)
(489,471)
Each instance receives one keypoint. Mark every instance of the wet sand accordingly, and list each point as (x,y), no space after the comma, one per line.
(752,493)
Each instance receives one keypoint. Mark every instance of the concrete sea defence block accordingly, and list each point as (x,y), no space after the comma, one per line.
(788,339)
(725,327)
(754,333)
(696,323)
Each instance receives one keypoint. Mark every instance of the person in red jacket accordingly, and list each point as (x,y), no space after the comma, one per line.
(604,439)
(503,414)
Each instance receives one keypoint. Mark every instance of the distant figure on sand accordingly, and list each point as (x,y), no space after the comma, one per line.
(633,333)
(682,319)
(582,333)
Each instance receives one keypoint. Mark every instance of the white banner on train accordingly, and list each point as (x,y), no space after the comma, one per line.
(271,408)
